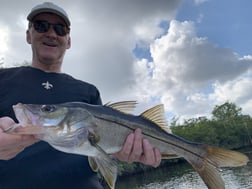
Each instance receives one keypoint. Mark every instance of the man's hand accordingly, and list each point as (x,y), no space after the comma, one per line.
(11,145)
(137,149)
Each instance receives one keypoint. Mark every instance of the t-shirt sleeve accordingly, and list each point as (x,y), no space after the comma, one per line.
(96,97)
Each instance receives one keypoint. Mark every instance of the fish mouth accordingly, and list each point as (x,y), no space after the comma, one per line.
(25,115)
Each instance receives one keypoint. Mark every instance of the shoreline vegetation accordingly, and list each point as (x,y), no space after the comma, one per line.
(227,128)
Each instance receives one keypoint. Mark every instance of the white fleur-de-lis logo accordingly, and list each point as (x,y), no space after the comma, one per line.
(47,85)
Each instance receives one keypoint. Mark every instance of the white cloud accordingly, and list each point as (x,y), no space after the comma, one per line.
(109,33)
(238,90)
(190,75)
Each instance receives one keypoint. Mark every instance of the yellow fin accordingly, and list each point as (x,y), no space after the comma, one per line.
(103,163)
(93,164)
(226,158)
(126,107)
(108,169)
(214,158)
(211,176)
(156,115)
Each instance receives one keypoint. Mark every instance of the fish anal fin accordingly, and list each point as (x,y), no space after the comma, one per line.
(126,107)
(108,169)
(157,115)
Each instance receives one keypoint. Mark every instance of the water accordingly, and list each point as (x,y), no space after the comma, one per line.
(182,176)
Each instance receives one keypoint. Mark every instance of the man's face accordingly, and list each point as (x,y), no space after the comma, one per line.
(48,47)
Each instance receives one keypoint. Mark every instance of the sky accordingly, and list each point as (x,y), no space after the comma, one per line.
(189,55)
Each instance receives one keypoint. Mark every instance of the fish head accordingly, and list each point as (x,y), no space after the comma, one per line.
(39,115)
(60,124)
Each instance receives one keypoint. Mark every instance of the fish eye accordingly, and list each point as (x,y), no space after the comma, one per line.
(48,108)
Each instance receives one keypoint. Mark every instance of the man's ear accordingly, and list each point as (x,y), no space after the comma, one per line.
(69,42)
(28,37)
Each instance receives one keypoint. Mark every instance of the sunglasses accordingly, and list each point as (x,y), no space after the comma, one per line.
(42,26)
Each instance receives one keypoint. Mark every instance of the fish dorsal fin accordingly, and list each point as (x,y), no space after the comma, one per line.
(156,115)
(126,107)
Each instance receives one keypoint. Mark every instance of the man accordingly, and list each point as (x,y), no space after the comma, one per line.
(26,162)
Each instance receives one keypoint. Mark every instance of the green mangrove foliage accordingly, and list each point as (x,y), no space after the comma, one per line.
(227,128)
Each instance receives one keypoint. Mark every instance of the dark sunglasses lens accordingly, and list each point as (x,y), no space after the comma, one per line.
(44,26)
(60,29)
(41,26)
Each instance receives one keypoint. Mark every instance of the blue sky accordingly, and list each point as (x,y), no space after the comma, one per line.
(227,23)
(189,55)
(224,22)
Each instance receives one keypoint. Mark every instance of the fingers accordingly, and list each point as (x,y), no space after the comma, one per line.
(124,153)
(151,156)
(137,149)
(6,123)
(11,145)
(132,148)
(28,140)
(158,157)
(6,153)
(148,156)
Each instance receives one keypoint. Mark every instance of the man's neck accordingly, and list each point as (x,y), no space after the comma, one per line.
(47,67)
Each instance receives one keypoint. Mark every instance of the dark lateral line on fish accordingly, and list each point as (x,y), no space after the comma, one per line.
(159,140)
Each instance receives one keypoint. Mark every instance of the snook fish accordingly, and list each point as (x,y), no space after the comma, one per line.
(97,131)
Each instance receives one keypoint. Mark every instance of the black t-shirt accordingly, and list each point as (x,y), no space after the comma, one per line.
(41,166)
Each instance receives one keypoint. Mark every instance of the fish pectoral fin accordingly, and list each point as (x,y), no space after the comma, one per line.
(107,167)
(103,163)
(93,164)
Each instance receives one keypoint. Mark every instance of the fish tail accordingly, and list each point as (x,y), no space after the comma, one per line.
(215,157)
(209,174)
(226,158)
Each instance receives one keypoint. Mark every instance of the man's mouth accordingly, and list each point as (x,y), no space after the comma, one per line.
(50,44)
